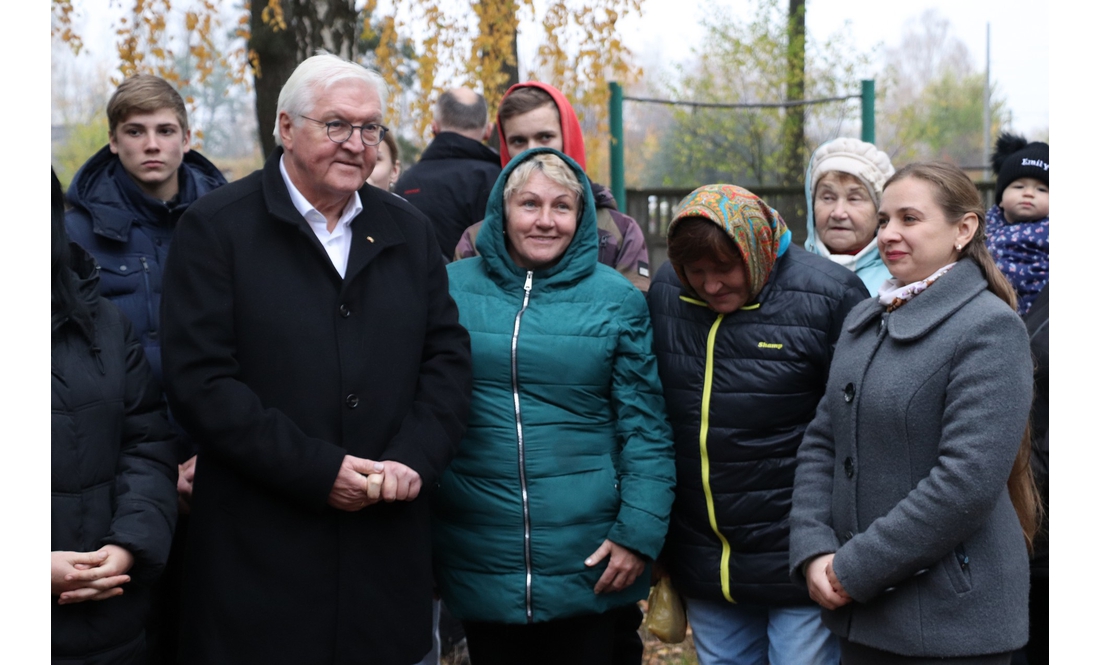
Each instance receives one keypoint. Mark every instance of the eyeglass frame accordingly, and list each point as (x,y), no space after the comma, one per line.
(328,129)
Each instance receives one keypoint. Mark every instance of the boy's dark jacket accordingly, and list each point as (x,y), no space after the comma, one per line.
(128,234)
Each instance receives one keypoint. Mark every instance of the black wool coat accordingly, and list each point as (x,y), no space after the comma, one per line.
(281,368)
(451,184)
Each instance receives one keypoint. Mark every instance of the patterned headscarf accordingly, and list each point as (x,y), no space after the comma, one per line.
(757,230)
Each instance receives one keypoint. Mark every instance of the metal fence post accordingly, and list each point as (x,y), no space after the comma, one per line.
(618,171)
(868,103)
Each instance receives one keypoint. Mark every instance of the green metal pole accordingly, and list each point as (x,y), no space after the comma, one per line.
(868,103)
(618,171)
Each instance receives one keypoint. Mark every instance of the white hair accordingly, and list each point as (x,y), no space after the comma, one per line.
(313,76)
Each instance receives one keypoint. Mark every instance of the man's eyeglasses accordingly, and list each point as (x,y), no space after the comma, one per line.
(340,131)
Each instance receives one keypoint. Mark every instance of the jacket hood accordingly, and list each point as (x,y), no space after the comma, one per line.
(604,197)
(113,201)
(85,280)
(571,135)
(580,257)
(756,229)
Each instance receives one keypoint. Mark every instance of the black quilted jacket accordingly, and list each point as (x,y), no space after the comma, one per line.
(729,531)
(113,472)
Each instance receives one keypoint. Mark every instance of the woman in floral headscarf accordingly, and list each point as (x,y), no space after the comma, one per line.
(744,326)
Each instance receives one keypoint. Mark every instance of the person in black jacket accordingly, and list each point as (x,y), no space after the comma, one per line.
(126,201)
(113,490)
(744,325)
(451,182)
(127,198)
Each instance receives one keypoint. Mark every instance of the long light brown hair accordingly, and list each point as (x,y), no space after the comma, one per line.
(957,196)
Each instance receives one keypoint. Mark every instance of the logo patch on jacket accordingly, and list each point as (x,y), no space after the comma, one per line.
(769,345)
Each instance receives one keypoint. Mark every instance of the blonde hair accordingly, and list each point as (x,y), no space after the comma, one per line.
(552,166)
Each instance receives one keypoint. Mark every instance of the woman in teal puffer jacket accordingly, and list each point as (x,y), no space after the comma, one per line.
(546,522)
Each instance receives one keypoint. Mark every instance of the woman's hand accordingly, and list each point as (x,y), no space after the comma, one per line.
(622,570)
(62,564)
(96,578)
(825,588)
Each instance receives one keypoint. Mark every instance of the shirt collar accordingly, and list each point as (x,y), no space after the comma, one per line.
(352,209)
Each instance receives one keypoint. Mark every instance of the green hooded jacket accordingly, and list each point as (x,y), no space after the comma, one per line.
(567,443)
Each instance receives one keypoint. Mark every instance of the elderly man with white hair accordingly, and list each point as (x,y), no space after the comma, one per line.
(311,344)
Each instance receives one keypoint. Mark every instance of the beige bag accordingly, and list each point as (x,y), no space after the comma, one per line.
(666,618)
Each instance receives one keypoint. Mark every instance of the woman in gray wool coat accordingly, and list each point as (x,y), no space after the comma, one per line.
(914,504)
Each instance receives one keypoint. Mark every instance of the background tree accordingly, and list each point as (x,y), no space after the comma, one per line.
(282,34)
(746,61)
(79,123)
(420,47)
(931,98)
(794,117)
(494,49)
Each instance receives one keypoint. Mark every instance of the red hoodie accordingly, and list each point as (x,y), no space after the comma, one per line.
(622,244)
(571,135)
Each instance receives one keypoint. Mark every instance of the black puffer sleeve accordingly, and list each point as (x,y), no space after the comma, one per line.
(145,481)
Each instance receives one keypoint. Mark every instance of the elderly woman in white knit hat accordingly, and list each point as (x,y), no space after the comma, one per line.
(843,187)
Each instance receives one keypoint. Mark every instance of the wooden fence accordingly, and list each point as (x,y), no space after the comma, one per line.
(652,209)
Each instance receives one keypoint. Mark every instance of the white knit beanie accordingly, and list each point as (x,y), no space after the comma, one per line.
(863,160)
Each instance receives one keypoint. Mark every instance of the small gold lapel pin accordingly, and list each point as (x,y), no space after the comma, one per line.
(370,238)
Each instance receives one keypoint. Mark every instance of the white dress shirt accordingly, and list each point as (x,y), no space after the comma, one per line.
(338,242)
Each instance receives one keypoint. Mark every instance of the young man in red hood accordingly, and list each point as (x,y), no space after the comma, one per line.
(534,115)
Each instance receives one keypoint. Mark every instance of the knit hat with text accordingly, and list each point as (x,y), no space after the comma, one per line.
(1015,158)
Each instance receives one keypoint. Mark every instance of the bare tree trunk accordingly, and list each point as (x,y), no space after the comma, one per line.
(311,24)
(511,69)
(794,120)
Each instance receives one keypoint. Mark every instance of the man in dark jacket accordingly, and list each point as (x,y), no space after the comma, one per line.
(451,182)
(311,344)
(126,201)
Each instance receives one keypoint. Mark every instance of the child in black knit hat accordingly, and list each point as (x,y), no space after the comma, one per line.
(1017,227)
